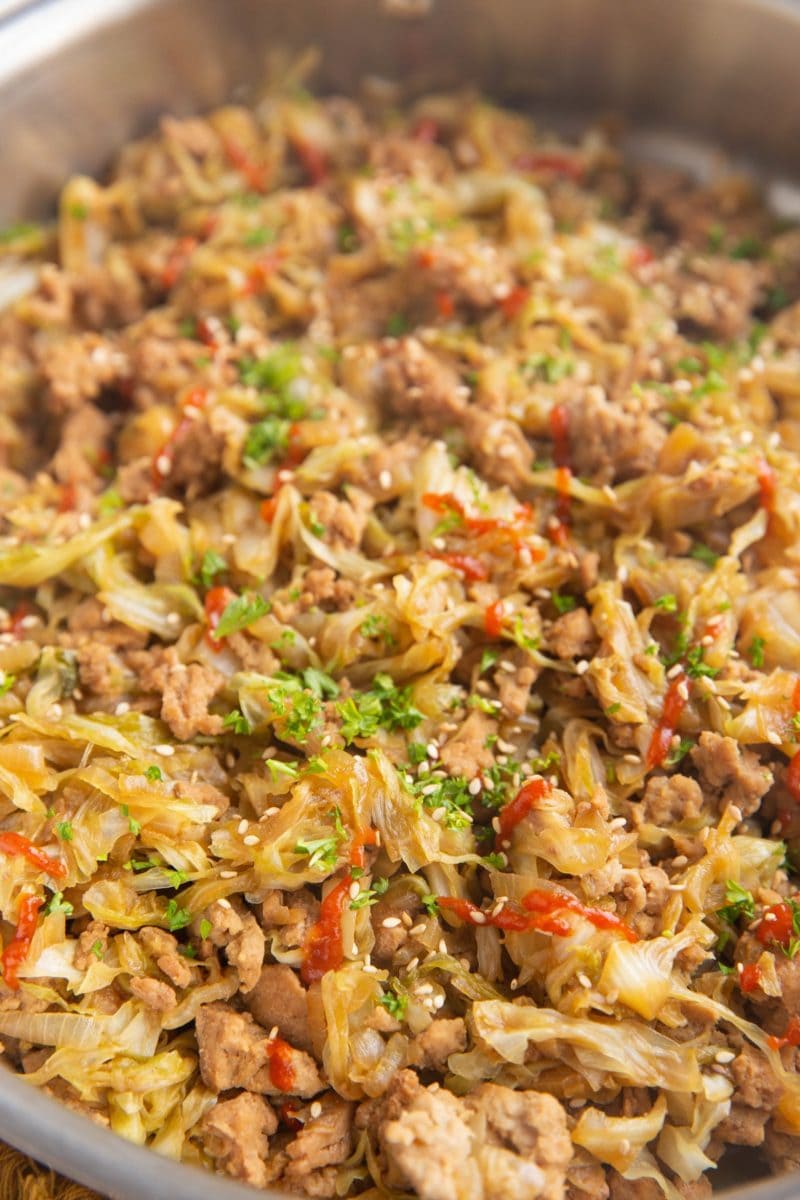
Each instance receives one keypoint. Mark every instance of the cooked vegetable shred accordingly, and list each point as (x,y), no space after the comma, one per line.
(400,656)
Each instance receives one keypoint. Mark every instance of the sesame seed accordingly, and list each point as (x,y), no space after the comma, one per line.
(315,1110)
(774,738)
(406,919)
(584,980)
(227,874)
(683,690)
(273,1033)
(163,464)
(724,1056)
(736,812)
(355,888)
(474,786)
(581,666)
(121,708)
(55,711)
(370,969)
(514,984)
(506,747)
(385,480)
(674,671)
(439,812)
(354,950)
(416,930)
(438,1002)
(224,902)
(432,750)
(252,839)
(391,922)
(30,622)
(270,812)
(423,989)
(412,966)
(769,916)
(478,918)
(242,826)
(173,618)
(164,750)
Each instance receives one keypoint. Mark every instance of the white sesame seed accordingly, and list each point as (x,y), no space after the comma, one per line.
(224,902)
(270,812)
(581,666)
(391,922)
(416,930)
(675,670)
(774,738)
(315,1110)
(584,980)
(505,747)
(478,918)
(370,968)
(406,919)
(439,813)
(423,989)
(273,1033)
(438,1002)
(631,758)
(122,708)
(252,839)
(30,622)
(683,690)
(735,812)
(173,618)
(412,966)
(354,889)
(724,1056)
(385,480)
(432,750)
(514,984)
(55,711)
(242,826)
(164,750)
(163,464)
(354,950)
(474,786)
(227,874)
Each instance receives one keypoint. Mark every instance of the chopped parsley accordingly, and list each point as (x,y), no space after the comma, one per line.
(747,247)
(430,904)
(740,903)
(395,1005)
(153,774)
(376,626)
(14,233)
(97,949)
(755,651)
(262,236)
(488,659)
(279,769)
(704,554)
(324,852)
(696,668)
(563,604)
(320,683)
(205,928)
(57,903)
(212,565)
(236,722)
(346,239)
(134,826)
(176,917)
(65,831)
(547,368)
(383,706)
(370,895)
(667,603)
(240,613)
(267,439)
(275,372)
(676,753)
(397,325)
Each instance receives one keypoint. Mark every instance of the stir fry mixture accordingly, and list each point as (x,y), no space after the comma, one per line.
(400,651)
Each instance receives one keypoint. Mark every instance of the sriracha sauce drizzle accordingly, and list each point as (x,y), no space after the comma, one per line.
(15,843)
(540,915)
(323,950)
(279,1058)
(674,704)
(517,809)
(17,949)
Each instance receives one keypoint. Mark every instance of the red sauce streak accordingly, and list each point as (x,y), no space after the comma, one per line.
(194,400)
(790,1038)
(640,256)
(445,305)
(674,704)
(426,130)
(288,1114)
(493,619)
(69,497)
(313,158)
(216,601)
(793,777)
(777,925)
(541,915)
(426,258)
(552,161)
(749,977)
(281,1070)
(17,949)
(361,839)
(262,271)
(254,173)
(15,843)
(323,950)
(767,486)
(517,809)
(447,504)
(513,304)
(177,262)
(470,567)
(206,333)
(545,903)
(267,508)
(507,918)
(17,618)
